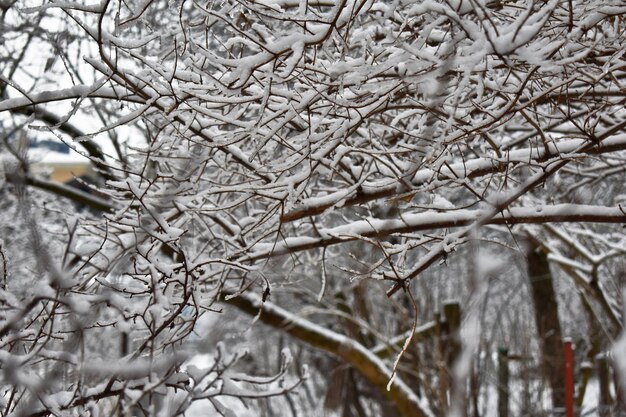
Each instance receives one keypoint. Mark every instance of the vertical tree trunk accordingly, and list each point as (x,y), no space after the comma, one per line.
(547,322)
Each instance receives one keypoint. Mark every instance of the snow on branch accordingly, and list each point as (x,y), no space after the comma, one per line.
(415,222)
(346,348)
(473,168)
(115,93)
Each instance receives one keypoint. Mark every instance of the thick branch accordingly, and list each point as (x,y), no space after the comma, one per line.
(66,191)
(475,168)
(364,361)
(415,222)
(21,103)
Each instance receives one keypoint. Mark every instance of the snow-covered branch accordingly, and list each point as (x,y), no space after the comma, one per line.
(352,352)
(432,220)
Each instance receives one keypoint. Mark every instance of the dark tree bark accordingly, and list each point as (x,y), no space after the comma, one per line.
(547,322)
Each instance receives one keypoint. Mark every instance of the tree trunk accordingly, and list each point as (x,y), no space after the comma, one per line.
(548,325)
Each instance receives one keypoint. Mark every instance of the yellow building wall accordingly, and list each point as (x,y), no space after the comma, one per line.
(64,172)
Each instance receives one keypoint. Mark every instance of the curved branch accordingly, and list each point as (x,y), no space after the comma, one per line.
(368,364)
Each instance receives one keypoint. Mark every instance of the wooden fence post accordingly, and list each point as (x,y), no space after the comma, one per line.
(604,398)
(503,382)
(568,354)
(441,365)
(452,314)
